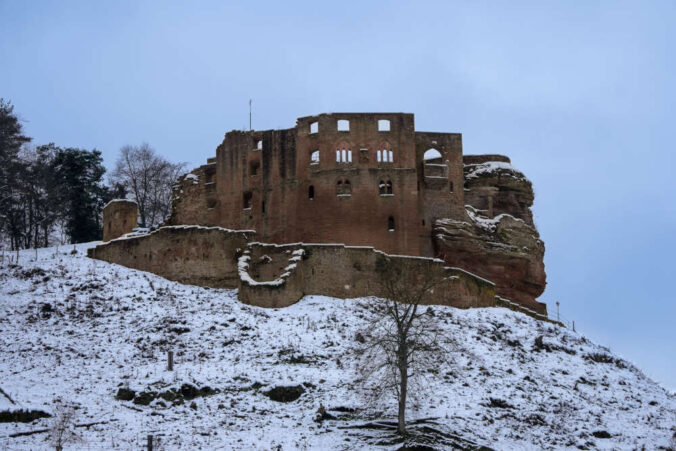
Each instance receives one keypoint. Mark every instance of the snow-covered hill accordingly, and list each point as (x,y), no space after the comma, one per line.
(76,331)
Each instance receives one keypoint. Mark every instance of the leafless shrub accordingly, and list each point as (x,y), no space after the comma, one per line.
(62,428)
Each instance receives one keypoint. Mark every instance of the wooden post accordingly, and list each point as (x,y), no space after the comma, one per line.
(150,442)
(573,326)
(170,360)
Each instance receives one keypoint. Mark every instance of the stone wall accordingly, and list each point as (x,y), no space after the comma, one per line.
(270,275)
(349,272)
(120,217)
(269,181)
(205,256)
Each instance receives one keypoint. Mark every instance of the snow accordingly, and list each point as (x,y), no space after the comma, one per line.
(75,329)
(118,200)
(193,177)
(476,170)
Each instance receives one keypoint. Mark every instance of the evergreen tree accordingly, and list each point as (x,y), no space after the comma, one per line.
(11,168)
(79,188)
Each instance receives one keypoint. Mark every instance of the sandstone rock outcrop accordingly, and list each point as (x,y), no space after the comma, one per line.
(498,240)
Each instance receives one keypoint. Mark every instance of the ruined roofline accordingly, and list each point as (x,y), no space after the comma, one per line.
(376,113)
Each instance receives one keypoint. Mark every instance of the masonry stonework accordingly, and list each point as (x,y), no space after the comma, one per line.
(362,179)
(119,218)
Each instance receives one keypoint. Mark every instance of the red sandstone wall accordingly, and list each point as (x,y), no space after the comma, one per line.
(281,210)
(350,272)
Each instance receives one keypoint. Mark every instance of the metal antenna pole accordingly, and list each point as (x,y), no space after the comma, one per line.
(249,114)
(558,317)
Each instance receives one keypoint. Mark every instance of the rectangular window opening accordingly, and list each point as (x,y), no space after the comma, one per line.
(343,125)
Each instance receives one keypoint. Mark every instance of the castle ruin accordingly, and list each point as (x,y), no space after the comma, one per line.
(361,180)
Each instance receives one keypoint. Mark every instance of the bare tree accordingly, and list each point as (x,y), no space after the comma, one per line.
(403,340)
(149,178)
(62,430)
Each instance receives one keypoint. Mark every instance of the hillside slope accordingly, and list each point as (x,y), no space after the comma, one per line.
(76,331)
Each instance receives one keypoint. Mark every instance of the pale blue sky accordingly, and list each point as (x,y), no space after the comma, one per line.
(580,94)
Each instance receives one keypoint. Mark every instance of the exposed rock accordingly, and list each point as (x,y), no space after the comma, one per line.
(493,186)
(285,394)
(504,250)
(498,240)
(21,416)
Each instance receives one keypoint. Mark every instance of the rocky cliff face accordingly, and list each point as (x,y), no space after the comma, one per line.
(498,239)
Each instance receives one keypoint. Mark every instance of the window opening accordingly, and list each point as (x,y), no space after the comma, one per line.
(387,156)
(388,187)
(383,125)
(314,127)
(431,154)
(311,192)
(253,168)
(259,145)
(344,155)
(343,188)
(451,186)
(343,125)
(381,187)
(314,156)
(246,200)
(390,224)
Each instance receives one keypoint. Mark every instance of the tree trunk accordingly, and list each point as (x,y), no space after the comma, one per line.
(403,386)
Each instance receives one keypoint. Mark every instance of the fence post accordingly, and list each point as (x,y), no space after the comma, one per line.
(170,360)
(149,444)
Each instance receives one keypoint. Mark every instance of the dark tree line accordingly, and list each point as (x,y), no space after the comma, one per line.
(46,188)
(50,194)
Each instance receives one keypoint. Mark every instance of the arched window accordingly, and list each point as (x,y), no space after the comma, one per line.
(311,192)
(259,145)
(390,224)
(385,156)
(343,188)
(385,187)
(343,155)
(431,155)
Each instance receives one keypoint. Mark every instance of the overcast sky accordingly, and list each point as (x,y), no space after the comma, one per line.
(580,94)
